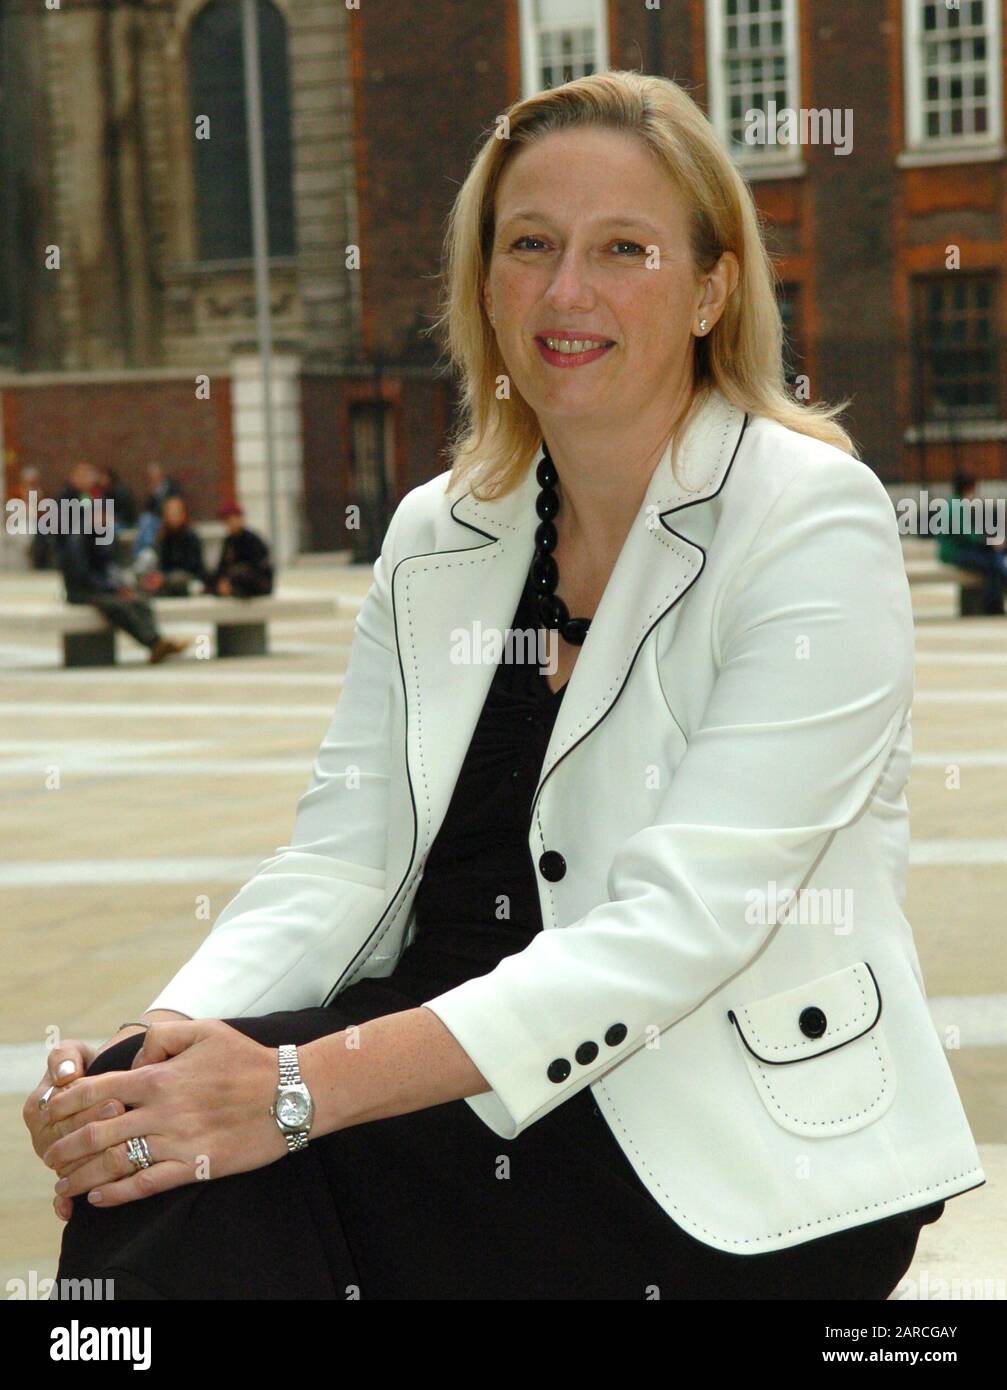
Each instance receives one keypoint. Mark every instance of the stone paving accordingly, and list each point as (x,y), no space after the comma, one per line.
(179,779)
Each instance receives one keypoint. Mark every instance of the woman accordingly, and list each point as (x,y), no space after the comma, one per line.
(178,566)
(689,1091)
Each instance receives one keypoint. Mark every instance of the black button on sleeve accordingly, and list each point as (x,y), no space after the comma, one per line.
(552,865)
(615,1035)
(558,1070)
(587,1052)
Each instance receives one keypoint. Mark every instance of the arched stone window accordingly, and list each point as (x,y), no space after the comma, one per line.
(217,91)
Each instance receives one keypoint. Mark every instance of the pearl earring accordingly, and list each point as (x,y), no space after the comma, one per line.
(702,325)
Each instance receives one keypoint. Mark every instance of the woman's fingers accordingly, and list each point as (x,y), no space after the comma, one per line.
(111,1178)
(129,1087)
(103,1111)
(145,1182)
(93,1136)
(105,1167)
(70,1059)
(35,1117)
(64,1064)
(44,1125)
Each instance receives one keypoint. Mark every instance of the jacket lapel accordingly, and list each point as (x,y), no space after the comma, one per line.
(447,601)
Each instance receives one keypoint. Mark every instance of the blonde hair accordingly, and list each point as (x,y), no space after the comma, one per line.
(495,441)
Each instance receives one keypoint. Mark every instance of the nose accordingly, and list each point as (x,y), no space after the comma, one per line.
(570,285)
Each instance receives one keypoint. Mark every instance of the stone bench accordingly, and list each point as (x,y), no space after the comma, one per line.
(240,623)
(969,584)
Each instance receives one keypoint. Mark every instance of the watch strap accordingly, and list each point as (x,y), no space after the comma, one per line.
(290,1075)
(290,1072)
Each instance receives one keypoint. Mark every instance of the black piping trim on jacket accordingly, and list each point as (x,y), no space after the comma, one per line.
(680,507)
(409,776)
(493,539)
(789,1061)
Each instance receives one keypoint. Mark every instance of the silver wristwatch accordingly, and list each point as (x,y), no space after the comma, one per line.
(293,1109)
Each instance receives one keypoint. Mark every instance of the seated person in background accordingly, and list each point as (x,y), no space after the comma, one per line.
(179,568)
(969,549)
(39,548)
(244,568)
(119,492)
(91,575)
(124,512)
(161,488)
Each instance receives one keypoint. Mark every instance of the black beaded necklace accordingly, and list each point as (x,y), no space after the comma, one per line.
(544,571)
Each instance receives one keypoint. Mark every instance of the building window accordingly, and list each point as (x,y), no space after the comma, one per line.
(957,372)
(952,74)
(561,40)
(753,76)
(217,92)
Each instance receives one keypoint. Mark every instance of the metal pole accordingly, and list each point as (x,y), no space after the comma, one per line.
(260,244)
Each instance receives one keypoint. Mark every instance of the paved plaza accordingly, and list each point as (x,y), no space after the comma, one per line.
(178,780)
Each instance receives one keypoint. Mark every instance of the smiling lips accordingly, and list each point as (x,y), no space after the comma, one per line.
(567,350)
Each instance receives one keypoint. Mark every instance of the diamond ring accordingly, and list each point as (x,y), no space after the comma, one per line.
(138,1153)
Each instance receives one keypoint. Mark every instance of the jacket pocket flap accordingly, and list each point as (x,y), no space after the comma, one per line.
(811,1019)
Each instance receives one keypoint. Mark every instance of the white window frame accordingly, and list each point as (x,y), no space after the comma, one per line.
(922,149)
(962,426)
(597,16)
(765,161)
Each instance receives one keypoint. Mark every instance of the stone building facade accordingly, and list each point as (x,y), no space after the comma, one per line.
(127,282)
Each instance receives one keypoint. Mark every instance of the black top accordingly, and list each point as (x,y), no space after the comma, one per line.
(245,547)
(478,898)
(181,549)
(85,561)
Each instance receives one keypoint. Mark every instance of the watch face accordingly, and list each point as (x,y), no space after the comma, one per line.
(292,1109)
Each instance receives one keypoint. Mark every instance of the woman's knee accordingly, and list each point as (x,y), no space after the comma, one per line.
(118,1057)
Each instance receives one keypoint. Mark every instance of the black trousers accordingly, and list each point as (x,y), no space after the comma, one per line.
(132,615)
(990,564)
(248,580)
(434,1205)
(176,584)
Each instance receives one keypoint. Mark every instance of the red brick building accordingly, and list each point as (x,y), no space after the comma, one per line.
(127,281)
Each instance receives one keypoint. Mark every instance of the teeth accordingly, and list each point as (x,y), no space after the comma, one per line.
(570,346)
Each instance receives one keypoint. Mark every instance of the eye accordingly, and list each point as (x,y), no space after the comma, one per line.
(635,247)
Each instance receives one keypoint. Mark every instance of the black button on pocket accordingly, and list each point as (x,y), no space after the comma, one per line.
(812,1022)
(587,1052)
(616,1034)
(558,1070)
(552,865)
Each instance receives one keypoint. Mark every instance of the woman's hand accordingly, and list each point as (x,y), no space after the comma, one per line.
(200,1094)
(67,1063)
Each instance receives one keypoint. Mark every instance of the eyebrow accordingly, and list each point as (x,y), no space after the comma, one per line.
(617,220)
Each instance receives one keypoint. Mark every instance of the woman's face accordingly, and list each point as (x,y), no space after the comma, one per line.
(173,512)
(592,241)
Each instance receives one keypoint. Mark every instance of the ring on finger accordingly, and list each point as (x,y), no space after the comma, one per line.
(138,1152)
(44,1099)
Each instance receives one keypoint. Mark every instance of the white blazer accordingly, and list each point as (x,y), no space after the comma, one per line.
(736,729)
